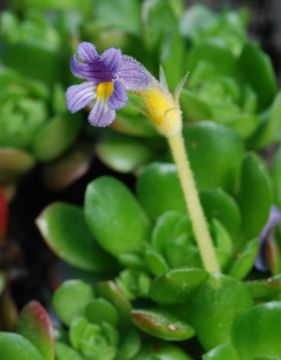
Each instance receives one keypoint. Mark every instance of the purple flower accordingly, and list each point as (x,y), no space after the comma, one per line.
(266,236)
(108,78)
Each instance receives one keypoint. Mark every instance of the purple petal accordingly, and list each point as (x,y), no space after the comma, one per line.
(112,59)
(133,75)
(80,70)
(101,115)
(119,98)
(273,221)
(87,51)
(78,96)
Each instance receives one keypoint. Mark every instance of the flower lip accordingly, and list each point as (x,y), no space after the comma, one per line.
(108,78)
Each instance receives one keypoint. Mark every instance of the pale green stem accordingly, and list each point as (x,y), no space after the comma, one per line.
(199,223)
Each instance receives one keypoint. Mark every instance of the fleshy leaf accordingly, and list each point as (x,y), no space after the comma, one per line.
(36,326)
(100,310)
(162,325)
(62,225)
(16,347)
(63,172)
(260,323)
(111,292)
(56,137)
(71,298)
(215,306)
(176,286)
(255,196)
(218,204)
(153,189)
(245,260)
(207,141)
(114,216)
(124,154)
(254,61)
(14,163)
(222,352)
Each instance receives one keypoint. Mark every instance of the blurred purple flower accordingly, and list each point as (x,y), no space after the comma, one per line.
(108,78)
(266,235)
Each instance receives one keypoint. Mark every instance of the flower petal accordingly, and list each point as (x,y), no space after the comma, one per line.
(87,51)
(133,75)
(80,70)
(119,98)
(78,96)
(101,115)
(112,59)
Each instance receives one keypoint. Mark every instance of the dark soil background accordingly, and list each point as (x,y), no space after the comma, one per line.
(25,256)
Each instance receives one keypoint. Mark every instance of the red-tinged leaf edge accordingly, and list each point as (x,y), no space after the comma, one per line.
(35,325)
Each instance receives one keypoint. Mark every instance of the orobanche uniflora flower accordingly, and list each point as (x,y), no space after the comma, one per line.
(108,78)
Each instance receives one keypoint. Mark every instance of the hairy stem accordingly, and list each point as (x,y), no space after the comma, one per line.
(193,204)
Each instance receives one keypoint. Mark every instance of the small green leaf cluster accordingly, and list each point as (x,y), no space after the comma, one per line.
(99,327)
(34,123)
(144,241)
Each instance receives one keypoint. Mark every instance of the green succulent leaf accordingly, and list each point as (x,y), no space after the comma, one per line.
(269,130)
(257,332)
(35,325)
(245,260)
(69,168)
(14,163)
(130,345)
(115,217)
(61,225)
(123,16)
(255,195)
(157,19)
(207,141)
(162,325)
(176,286)
(100,310)
(124,154)
(16,347)
(154,183)
(222,352)
(276,177)
(64,351)
(93,341)
(134,283)
(161,351)
(213,53)
(193,107)
(265,289)
(155,262)
(111,292)
(71,298)
(54,65)
(215,306)
(56,137)
(254,61)
(218,204)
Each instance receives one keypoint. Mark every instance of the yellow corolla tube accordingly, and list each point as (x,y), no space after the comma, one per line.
(163,110)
